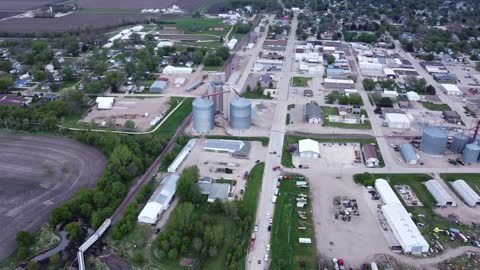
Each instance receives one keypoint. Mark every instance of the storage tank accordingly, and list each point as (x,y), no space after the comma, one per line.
(471,153)
(203,110)
(240,114)
(434,141)
(458,143)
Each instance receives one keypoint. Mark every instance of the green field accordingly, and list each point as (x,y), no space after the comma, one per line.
(108,11)
(287,252)
(334,111)
(431,219)
(170,126)
(212,68)
(199,25)
(292,139)
(300,81)
(206,45)
(436,107)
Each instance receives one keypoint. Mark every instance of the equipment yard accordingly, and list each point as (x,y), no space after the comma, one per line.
(38,173)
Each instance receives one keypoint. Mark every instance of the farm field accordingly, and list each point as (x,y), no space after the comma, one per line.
(75,21)
(139,4)
(37,174)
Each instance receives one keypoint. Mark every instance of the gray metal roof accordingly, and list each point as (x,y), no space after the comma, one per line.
(408,152)
(312,110)
(439,193)
(165,190)
(470,197)
(225,145)
(214,190)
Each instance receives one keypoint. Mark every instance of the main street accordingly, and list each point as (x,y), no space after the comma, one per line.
(277,134)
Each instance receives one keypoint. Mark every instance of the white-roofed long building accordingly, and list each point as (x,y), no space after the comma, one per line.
(386,192)
(470,197)
(400,222)
(439,193)
(404,229)
(160,200)
(181,156)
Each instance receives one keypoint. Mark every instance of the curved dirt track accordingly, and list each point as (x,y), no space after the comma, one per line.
(36,174)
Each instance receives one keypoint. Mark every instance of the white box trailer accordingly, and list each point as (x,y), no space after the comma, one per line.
(304,240)
(274,199)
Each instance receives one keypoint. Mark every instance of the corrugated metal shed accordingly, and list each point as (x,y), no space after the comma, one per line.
(470,197)
(408,153)
(159,200)
(439,193)
(181,156)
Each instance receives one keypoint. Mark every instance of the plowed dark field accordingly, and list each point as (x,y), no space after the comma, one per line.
(36,174)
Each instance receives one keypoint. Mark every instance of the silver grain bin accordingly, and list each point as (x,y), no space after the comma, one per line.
(471,153)
(240,114)
(434,141)
(203,112)
(458,143)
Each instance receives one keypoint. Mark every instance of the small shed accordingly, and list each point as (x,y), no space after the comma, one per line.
(408,153)
(159,85)
(105,103)
(451,117)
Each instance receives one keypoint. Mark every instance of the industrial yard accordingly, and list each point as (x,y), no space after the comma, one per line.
(143,112)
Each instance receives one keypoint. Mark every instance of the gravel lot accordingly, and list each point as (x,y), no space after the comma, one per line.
(37,174)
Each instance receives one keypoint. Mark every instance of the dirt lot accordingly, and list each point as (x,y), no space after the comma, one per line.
(37,174)
(130,109)
(139,4)
(356,241)
(76,21)
(173,90)
(206,161)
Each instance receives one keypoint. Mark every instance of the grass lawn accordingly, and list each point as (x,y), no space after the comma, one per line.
(45,239)
(170,126)
(431,219)
(300,81)
(292,139)
(472,179)
(286,251)
(108,11)
(255,95)
(199,25)
(212,68)
(208,45)
(334,111)
(436,107)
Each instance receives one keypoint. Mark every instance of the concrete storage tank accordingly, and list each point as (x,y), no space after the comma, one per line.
(434,141)
(240,114)
(471,153)
(202,115)
(458,143)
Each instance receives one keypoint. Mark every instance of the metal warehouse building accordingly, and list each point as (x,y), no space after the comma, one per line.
(160,200)
(181,156)
(404,229)
(470,197)
(439,193)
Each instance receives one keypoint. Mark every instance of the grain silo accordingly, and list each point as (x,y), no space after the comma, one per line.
(434,141)
(203,115)
(471,153)
(458,143)
(240,114)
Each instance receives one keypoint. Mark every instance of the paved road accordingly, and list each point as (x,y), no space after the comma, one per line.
(277,135)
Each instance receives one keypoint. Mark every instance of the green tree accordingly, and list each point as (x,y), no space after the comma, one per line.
(172,254)
(24,238)
(182,217)
(74,230)
(54,261)
(197,57)
(5,65)
(138,257)
(386,102)
(368,84)
(33,265)
(61,214)
(129,124)
(187,188)
(68,75)
(330,59)
(6,83)
(39,75)
(249,88)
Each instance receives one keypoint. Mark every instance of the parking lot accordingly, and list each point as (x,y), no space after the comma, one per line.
(139,110)
(332,155)
(211,164)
